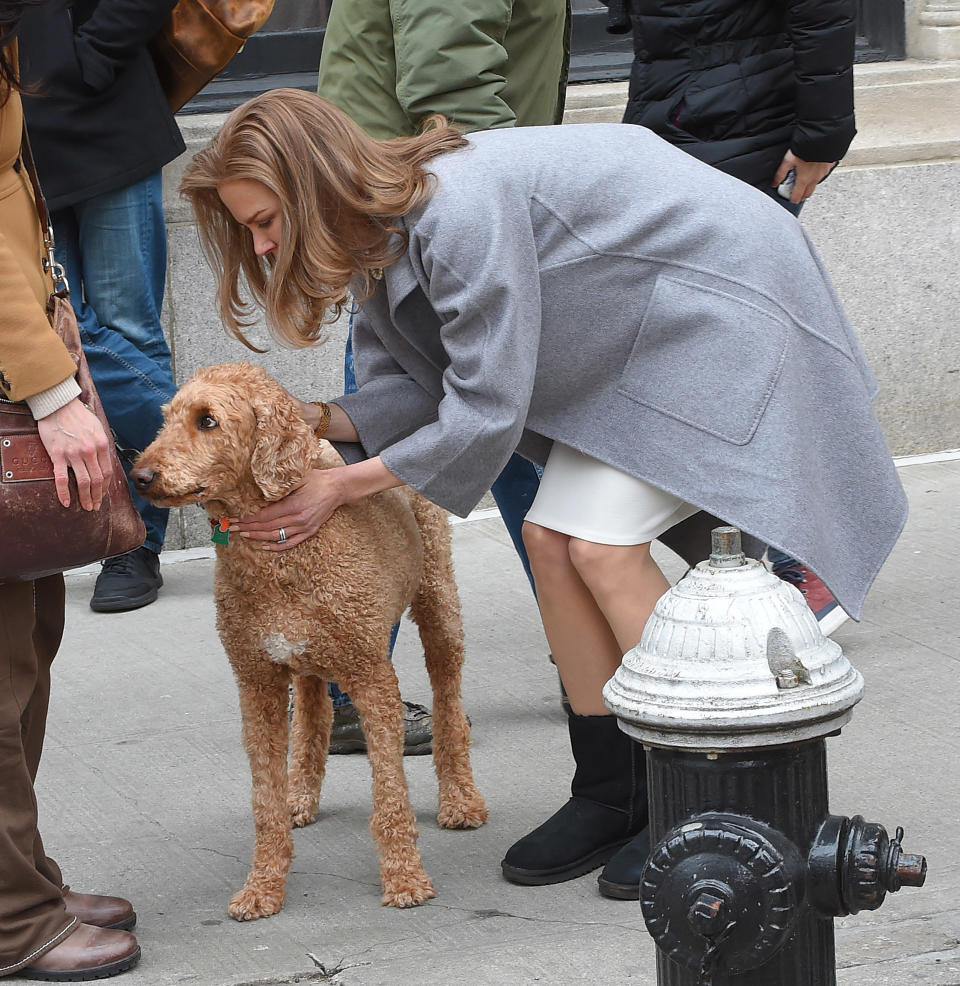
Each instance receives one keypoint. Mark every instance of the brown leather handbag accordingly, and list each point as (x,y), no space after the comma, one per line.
(199,39)
(38,535)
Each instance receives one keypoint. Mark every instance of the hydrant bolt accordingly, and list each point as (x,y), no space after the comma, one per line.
(787,679)
(727,551)
(912,870)
(708,913)
(903,869)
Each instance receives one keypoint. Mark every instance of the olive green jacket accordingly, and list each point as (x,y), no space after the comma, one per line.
(388,64)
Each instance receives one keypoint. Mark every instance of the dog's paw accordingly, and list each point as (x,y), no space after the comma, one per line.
(251,903)
(462,811)
(303,810)
(411,892)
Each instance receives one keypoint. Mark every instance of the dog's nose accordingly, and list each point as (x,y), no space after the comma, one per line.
(141,478)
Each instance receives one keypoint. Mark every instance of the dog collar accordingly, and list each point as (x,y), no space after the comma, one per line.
(221,530)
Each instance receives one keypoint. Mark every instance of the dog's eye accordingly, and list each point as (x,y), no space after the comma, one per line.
(205,422)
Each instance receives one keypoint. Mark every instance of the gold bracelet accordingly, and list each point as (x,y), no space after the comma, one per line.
(321,428)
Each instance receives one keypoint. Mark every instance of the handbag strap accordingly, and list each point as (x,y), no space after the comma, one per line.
(50,265)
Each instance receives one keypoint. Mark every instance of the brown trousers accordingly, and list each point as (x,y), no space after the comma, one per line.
(32,914)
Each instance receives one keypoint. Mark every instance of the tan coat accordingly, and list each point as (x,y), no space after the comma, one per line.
(32,357)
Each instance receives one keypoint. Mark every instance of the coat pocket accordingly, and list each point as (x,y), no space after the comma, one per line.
(705,358)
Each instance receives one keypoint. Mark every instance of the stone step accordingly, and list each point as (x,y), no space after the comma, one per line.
(908,70)
(906,111)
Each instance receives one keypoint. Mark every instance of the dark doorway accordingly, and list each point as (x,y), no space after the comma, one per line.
(881,30)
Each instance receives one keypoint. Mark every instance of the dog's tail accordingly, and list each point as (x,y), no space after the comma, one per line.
(434,528)
(436,608)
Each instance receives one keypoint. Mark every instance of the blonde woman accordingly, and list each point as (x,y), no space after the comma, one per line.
(645,346)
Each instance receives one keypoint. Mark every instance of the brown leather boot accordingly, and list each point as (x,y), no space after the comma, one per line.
(101,911)
(89,953)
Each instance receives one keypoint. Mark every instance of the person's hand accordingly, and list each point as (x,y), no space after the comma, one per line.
(809,174)
(75,439)
(299,514)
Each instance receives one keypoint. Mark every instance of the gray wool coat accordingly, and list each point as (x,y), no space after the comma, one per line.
(596,286)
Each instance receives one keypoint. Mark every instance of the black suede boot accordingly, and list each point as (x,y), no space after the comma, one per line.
(607,809)
(620,878)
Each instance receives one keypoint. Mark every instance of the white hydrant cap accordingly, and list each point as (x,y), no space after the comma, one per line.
(732,658)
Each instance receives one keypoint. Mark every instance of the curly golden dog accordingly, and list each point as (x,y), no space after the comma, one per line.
(234,441)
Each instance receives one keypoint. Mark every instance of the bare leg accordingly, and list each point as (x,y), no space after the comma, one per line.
(608,805)
(625,582)
(594,600)
(584,647)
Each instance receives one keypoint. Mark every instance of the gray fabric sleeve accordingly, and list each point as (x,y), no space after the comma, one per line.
(389,404)
(484,284)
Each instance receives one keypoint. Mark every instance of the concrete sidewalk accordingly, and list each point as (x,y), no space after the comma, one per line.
(145,789)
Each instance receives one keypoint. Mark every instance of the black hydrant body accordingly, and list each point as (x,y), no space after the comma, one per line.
(733,690)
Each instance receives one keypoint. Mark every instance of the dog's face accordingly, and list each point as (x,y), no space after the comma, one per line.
(231,435)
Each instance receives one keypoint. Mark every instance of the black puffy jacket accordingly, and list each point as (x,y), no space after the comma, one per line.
(98,119)
(737,83)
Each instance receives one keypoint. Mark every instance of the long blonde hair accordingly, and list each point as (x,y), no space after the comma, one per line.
(341,194)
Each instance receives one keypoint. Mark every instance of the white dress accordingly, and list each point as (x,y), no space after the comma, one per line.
(590,500)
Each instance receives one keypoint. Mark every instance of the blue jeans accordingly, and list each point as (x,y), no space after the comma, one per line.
(114,250)
(513,490)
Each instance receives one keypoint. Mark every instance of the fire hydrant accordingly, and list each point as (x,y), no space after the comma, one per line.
(732,690)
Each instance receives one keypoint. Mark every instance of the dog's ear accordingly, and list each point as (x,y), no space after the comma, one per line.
(283,446)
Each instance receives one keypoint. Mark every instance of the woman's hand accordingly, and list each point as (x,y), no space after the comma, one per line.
(303,512)
(299,514)
(75,439)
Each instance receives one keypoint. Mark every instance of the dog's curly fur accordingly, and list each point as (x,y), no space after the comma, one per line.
(322,611)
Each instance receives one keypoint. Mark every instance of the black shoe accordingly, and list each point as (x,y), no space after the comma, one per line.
(127,582)
(578,838)
(346,734)
(620,878)
(607,809)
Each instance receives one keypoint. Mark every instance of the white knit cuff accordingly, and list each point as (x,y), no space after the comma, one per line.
(48,401)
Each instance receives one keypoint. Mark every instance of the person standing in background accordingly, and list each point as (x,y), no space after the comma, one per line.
(760,89)
(102,131)
(483,65)
(47,931)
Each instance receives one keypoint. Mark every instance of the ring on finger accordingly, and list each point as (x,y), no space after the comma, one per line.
(282,537)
